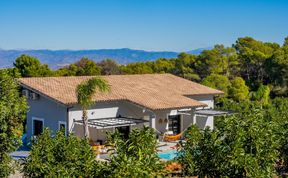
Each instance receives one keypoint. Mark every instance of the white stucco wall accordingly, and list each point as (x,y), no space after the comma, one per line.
(105,110)
(185,120)
(207,99)
(204,121)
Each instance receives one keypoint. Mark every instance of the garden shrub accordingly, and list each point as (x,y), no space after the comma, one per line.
(60,156)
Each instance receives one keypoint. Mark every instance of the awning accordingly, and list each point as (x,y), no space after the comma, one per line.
(104,123)
(212,112)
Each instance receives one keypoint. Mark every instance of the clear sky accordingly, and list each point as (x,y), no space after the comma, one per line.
(177,25)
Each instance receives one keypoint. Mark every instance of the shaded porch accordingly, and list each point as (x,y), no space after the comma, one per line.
(99,127)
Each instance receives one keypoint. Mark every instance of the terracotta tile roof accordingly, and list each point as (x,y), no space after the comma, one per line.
(154,91)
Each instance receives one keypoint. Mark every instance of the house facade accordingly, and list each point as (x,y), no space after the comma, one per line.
(162,101)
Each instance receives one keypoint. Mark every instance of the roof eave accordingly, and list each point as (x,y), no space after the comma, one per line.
(43,94)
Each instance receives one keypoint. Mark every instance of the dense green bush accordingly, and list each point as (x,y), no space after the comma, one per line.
(262,95)
(70,156)
(60,156)
(277,112)
(13,108)
(243,146)
(136,156)
(238,90)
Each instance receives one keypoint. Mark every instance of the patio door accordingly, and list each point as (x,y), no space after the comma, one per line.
(124,131)
(175,123)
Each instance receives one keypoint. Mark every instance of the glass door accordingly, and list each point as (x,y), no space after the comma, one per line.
(174,124)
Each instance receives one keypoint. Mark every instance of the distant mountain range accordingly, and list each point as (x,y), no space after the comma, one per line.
(58,58)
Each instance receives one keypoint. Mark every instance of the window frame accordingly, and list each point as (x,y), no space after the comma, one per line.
(37,119)
(62,123)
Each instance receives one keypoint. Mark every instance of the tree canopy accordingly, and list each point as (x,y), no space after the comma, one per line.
(258,63)
(83,67)
(31,67)
(109,67)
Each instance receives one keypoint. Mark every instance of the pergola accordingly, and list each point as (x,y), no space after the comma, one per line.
(113,122)
(213,112)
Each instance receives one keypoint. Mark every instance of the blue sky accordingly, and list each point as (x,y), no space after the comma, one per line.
(177,25)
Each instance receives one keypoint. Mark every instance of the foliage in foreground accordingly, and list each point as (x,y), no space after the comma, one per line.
(13,109)
(60,156)
(243,146)
(70,156)
(136,156)
(278,113)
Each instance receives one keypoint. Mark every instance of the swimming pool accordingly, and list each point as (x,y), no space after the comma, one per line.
(168,155)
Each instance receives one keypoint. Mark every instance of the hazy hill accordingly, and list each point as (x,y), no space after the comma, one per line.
(57,58)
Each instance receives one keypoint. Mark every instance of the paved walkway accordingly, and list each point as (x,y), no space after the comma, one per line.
(17,174)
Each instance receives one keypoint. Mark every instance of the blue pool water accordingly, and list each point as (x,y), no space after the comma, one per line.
(169,155)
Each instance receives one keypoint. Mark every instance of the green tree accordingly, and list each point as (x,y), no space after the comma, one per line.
(70,70)
(253,57)
(277,67)
(138,68)
(238,90)
(31,67)
(136,156)
(87,67)
(85,92)
(60,156)
(13,72)
(286,41)
(262,95)
(83,67)
(13,109)
(109,67)
(219,82)
(184,66)
(219,60)
(163,65)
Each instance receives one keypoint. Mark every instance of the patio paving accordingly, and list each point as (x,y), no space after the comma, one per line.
(165,146)
(22,153)
(19,154)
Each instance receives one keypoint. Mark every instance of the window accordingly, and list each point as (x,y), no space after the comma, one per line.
(62,126)
(125,130)
(37,126)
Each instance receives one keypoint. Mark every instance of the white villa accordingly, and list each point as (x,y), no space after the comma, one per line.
(163,101)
